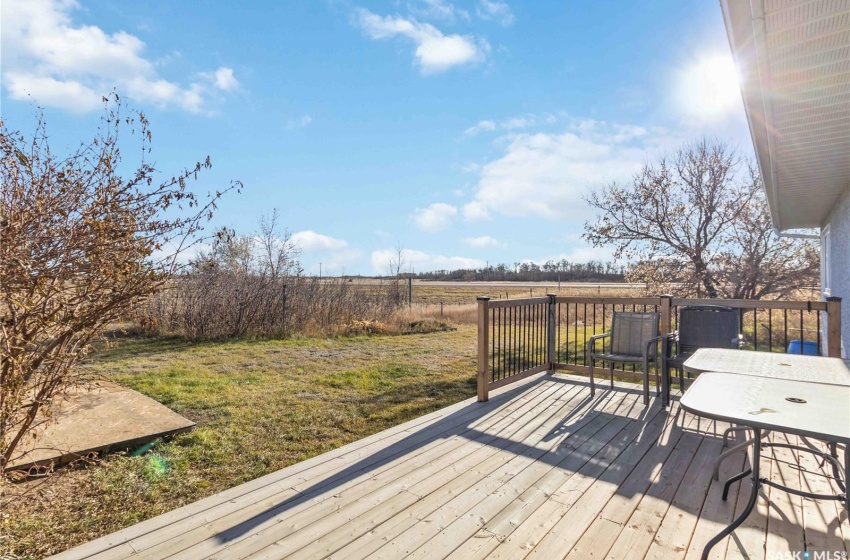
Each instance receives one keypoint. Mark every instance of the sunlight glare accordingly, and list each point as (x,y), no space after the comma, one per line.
(709,86)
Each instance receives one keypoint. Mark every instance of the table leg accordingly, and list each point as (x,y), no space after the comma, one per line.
(732,480)
(846,477)
(740,447)
(728,431)
(840,478)
(750,504)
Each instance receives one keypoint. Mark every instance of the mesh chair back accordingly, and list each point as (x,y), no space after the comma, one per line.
(707,326)
(629,332)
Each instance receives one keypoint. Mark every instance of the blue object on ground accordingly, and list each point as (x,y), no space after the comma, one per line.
(809,347)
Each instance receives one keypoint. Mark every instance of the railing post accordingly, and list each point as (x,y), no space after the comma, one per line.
(833,327)
(483,348)
(550,332)
(666,308)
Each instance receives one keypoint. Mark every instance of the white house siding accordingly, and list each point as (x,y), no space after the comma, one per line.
(839,264)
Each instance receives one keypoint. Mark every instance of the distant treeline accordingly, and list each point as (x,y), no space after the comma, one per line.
(550,271)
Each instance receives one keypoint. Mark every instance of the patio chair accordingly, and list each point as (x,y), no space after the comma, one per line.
(634,340)
(700,326)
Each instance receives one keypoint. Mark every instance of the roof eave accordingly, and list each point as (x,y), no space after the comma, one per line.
(744,21)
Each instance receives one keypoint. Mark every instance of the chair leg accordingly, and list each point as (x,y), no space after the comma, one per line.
(657,382)
(645,382)
(592,384)
(612,375)
(681,380)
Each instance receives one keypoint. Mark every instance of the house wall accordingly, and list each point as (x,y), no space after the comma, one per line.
(839,264)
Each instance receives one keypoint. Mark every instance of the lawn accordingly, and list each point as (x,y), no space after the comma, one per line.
(259,406)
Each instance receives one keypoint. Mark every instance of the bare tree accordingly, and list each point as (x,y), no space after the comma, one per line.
(80,247)
(280,252)
(698,221)
(756,263)
(396,268)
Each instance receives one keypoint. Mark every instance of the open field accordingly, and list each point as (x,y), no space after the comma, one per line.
(451,293)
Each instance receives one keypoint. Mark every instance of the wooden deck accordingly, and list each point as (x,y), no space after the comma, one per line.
(539,471)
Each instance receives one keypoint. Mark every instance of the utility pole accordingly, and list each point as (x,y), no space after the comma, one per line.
(320,271)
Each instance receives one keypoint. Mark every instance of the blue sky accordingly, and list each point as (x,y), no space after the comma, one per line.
(465,132)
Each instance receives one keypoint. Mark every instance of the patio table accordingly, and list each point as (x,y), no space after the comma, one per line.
(816,410)
(817,369)
(814,369)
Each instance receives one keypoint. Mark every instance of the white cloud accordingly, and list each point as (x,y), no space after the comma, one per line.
(513,123)
(439,9)
(436,217)
(311,241)
(483,241)
(301,122)
(336,262)
(482,126)
(59,63)
(171,249)
(583,254)
(420,261)
(496,11)
(519,122)
(475,210)
(335,255)
(435,52)
(69,94)
(224,79)
(545,174)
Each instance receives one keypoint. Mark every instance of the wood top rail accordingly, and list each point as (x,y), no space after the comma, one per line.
(518,302)
(736,303)
(610,300)
(755,304)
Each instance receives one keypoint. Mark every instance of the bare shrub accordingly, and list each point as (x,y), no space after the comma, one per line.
(215,305)
(80,247)
(448,314)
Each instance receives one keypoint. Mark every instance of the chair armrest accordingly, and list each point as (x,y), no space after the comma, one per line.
(667,343)
(649,342)
(592,341)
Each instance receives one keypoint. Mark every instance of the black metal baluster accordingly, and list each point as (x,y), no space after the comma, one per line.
(514,342)
(785,333)
(755,329)
(525,333)
(817,327)
(493,344)
(503,346)
(584,336)
(770,330)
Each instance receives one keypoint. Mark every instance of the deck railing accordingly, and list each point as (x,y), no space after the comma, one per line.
(522,337)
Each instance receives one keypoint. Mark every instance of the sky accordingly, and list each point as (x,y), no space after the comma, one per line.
(463,133)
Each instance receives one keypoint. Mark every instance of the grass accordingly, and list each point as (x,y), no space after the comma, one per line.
(259,406)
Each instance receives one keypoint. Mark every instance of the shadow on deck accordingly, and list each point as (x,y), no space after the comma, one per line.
(542,470)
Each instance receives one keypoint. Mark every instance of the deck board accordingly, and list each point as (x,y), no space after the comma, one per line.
(542,470)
